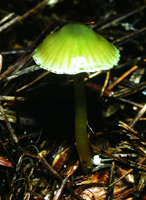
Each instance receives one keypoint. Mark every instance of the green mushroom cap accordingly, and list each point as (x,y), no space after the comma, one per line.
(76,48)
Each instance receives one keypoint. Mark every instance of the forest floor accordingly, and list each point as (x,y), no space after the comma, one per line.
(38,157)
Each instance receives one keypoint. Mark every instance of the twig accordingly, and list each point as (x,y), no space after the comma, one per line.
(128,172)
(1,62)
(45,163)
(12,68)
(97,88)
(11,98)
(7,17)
(129,37)
(8,24)
(31,83)
(24,71)
(131,102)
(129,91)
(122,77)
(109,195)
(138,116)
(64,182)
(14,137)
(105,84)
(113,22)
(21,18)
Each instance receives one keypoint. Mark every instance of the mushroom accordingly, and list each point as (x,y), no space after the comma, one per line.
(74,50)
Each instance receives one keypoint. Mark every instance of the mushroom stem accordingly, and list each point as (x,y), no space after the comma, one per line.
(82,142)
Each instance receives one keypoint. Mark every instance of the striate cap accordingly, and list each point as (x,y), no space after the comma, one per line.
(76,48)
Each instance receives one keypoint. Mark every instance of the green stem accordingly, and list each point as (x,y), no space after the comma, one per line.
(82,142)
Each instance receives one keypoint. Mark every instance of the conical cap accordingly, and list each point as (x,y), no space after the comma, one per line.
(76,48)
